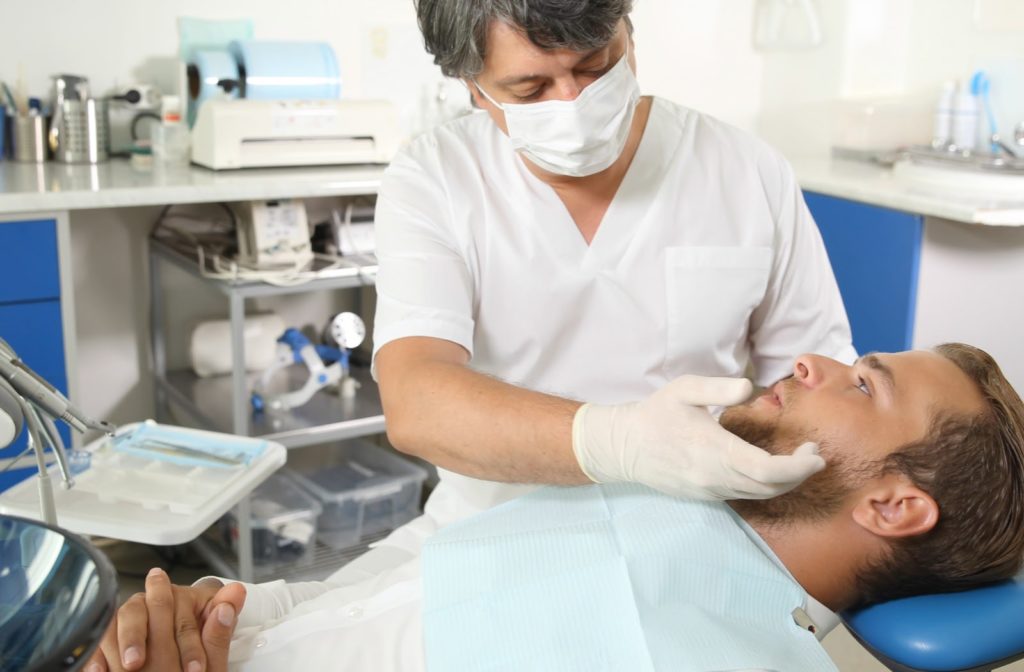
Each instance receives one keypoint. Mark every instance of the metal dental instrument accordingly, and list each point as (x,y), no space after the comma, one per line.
(41,404)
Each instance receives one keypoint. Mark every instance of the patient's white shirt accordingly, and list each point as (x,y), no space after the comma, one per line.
(376,624)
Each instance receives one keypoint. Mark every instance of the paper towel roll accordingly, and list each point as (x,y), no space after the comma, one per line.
(287,70)
(210,346)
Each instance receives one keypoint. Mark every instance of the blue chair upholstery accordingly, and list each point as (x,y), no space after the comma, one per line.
(976,630)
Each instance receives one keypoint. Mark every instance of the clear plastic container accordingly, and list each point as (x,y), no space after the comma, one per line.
(171,143)
(364,490)
(284,519)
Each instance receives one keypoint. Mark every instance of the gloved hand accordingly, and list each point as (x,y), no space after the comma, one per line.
(671,443)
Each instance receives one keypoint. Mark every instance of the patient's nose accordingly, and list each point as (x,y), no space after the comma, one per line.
(810,369)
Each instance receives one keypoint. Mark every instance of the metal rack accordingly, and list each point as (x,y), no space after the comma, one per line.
(222,403)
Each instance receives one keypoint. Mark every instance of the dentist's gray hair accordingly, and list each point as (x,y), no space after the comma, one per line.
(455,31)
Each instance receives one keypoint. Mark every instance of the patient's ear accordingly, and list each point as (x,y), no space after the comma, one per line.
(892,508)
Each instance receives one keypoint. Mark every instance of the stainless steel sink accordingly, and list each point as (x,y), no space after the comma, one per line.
(1002,163)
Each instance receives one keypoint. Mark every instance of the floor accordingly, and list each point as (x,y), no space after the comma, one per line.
(133,561)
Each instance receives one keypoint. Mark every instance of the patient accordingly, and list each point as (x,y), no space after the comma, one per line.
(923,493)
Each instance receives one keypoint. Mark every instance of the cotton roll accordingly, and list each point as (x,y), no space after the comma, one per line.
(210,345)
(288,70)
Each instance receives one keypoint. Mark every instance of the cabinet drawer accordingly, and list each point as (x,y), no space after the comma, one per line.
(29,268)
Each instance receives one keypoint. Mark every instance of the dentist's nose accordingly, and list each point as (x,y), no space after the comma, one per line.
(566,88)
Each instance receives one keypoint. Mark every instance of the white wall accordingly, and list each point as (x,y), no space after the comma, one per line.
(120,42)
(699,53)
(881,66)
(874,78)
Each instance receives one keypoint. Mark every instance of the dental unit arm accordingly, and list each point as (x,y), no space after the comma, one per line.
(39,404)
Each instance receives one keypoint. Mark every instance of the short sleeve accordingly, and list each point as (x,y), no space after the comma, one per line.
(424,285)
(802,310)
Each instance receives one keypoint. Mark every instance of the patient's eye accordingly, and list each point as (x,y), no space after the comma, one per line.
(863,386)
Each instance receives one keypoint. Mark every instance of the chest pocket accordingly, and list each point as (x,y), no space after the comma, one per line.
(711,292)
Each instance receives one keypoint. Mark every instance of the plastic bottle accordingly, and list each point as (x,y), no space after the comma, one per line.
(171,137)
(942,133)
(965,119)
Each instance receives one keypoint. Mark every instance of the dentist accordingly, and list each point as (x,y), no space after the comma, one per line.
(561,272)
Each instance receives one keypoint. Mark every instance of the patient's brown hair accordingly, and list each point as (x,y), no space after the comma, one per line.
(974,469)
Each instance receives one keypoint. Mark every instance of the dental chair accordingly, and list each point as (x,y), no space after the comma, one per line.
(974,631)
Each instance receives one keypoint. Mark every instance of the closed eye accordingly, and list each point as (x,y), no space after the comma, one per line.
(863,386)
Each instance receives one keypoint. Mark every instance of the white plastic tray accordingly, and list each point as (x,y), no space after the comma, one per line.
(143,500)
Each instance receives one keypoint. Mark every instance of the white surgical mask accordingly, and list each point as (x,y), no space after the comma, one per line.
(576,137)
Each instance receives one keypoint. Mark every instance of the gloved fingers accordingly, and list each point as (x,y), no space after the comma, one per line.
(809,448)
(707,391)
(778,472)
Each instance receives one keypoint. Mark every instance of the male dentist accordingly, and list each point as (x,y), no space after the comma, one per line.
(578,242)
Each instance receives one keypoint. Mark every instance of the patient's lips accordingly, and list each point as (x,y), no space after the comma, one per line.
(772,396)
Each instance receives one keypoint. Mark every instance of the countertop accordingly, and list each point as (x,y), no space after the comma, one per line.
(877,185)
(26,188)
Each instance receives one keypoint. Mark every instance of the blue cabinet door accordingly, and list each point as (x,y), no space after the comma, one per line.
(29,267)
(875,254)
(30,311)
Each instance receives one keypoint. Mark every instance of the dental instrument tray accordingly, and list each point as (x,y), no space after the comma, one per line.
(186,447)
(163,492)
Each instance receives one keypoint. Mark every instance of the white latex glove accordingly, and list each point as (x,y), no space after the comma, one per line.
(671,443)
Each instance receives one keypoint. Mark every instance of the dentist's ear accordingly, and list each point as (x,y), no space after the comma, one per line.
(895,508)
(476,99)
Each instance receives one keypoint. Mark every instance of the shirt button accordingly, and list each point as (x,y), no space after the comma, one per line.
(261,642)
(355,611)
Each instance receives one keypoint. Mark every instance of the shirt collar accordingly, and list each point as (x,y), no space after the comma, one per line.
(822,618)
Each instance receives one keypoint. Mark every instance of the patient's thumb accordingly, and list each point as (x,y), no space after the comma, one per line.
(217,632)
(233,593)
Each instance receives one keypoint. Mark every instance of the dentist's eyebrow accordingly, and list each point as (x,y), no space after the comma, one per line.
(513,80)
(885,373)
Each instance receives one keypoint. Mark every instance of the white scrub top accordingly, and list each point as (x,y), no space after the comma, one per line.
(706,260)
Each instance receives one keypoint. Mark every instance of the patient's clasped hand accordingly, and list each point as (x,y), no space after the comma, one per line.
(922,493)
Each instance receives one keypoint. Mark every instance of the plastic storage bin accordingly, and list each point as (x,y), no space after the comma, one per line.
(365,490)
(284,519)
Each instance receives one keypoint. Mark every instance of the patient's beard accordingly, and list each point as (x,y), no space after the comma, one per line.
(817,498)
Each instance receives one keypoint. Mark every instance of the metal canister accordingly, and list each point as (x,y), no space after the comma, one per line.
(81,131)
(30,138)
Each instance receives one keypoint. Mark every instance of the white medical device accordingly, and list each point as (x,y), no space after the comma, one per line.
(264,133)
(327,366)
(273,234)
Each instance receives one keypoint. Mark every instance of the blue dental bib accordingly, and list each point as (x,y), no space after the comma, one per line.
(610,577)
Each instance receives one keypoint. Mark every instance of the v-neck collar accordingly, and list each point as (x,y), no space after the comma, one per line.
(627,207)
